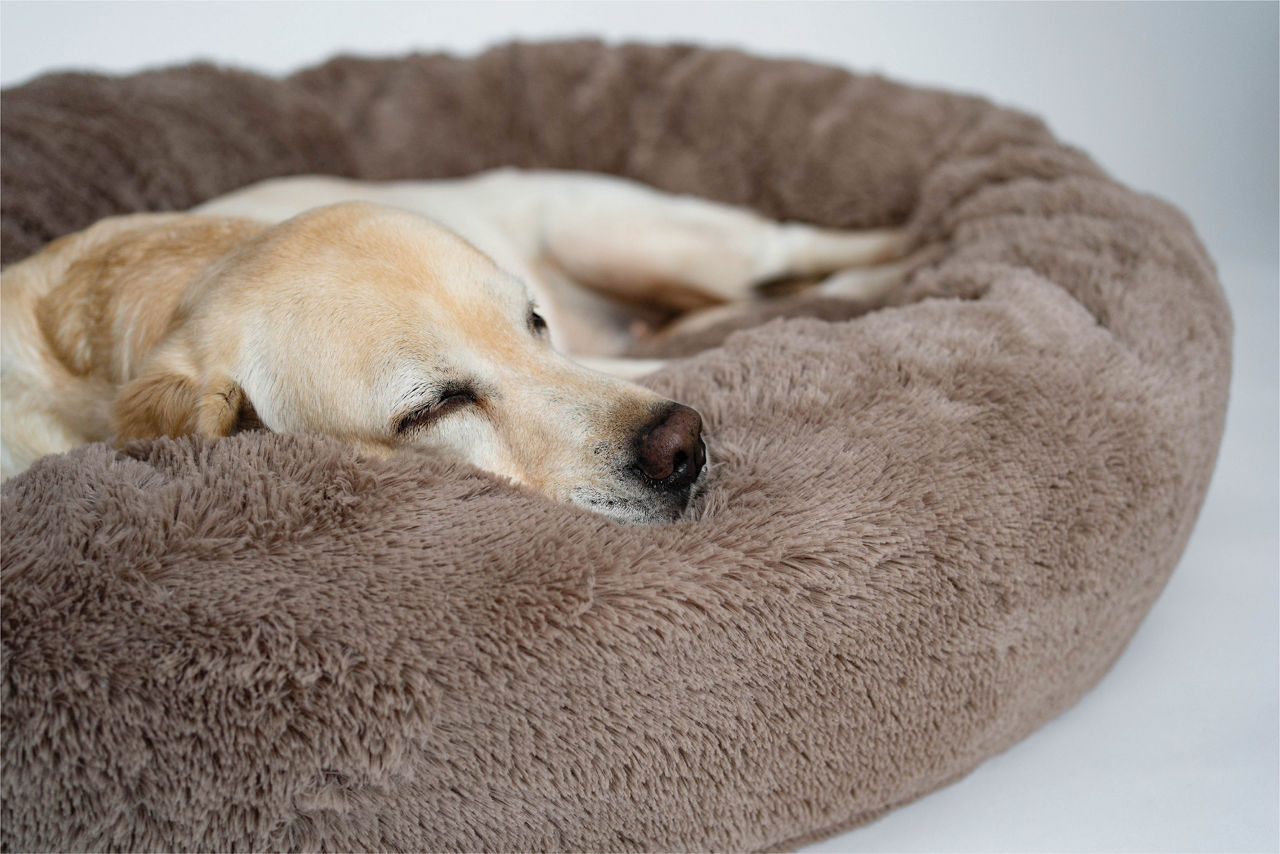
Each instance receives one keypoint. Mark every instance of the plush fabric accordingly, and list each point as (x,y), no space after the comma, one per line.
(929,529)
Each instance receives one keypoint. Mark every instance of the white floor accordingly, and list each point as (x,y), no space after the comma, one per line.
(1176,750)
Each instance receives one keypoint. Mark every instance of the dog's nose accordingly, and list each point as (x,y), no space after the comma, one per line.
(670,451)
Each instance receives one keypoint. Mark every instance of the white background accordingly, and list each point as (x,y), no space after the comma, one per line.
(1177,748)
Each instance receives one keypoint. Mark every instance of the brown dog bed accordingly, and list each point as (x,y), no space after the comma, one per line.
(931,526)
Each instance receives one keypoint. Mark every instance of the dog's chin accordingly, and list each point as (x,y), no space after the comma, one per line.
(636,504)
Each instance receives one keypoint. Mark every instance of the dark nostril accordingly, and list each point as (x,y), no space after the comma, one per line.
(670,450)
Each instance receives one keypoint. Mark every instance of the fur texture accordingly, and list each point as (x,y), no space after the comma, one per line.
(929,531)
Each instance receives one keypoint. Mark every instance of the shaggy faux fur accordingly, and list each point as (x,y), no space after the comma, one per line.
(929,529)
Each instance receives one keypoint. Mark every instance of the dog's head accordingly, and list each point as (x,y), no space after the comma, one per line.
(383,329)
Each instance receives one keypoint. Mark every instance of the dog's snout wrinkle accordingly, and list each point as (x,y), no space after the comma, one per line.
(670,451)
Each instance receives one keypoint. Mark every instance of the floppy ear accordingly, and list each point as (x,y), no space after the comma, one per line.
(168,403)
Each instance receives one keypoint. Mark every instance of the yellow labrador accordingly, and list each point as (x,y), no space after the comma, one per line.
(318,305)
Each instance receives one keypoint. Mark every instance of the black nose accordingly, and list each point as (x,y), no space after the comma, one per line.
(669,450)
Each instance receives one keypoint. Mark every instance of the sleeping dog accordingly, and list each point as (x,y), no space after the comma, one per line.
(420,317)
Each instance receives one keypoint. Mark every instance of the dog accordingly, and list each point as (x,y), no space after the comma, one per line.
(424,317)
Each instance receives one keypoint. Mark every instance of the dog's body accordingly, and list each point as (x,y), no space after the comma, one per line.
(598,252)
(290,306)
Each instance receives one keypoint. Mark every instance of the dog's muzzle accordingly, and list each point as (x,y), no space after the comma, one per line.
(658,475)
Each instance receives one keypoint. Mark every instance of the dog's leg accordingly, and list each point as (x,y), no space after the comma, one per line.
(621,367)
(685,253)
(868,283)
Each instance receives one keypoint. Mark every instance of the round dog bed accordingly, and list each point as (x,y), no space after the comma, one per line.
(929,529)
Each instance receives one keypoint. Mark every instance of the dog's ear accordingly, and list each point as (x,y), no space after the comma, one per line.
(169,403)
(162,403)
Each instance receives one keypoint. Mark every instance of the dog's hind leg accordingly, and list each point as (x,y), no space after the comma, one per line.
(684,253)
(867,283)
(620,366)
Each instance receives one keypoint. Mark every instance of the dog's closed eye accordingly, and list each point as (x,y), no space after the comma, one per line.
(537,323)
(450,399)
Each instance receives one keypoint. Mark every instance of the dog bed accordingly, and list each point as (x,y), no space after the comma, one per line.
(929,529)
